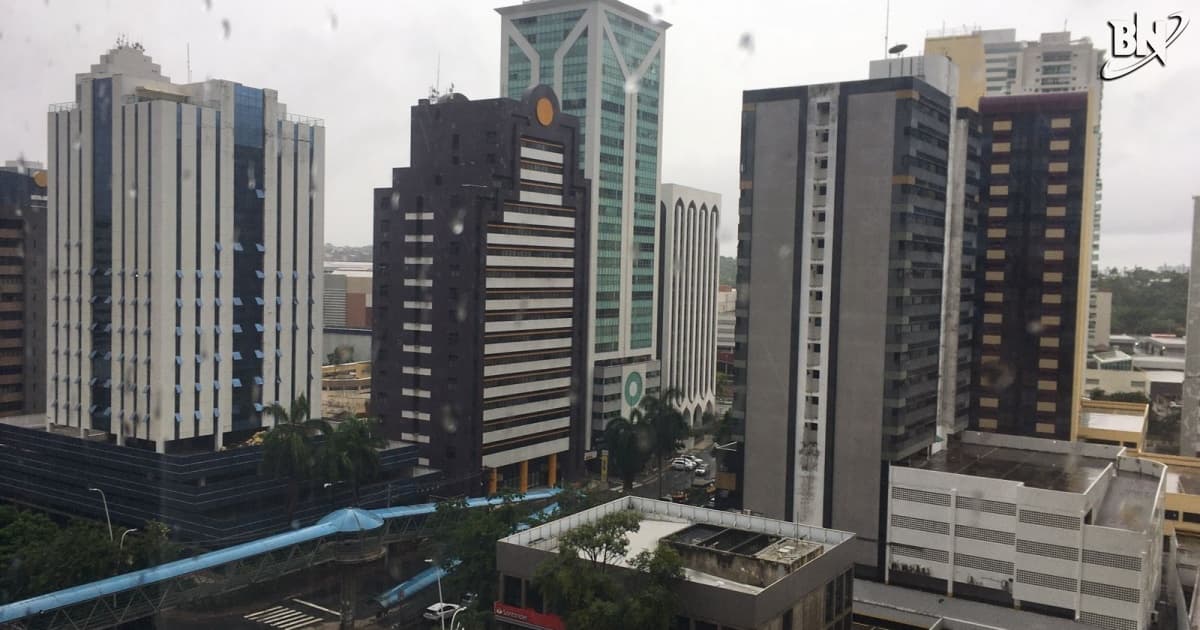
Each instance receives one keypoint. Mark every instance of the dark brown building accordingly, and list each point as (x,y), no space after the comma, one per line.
(1034,258)
(22,291)
(480,292)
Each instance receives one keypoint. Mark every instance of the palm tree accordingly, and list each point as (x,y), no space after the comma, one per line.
(628,447)
(289,449)
(352,451)
(667,427)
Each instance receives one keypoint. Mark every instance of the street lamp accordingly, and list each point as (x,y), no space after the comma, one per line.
(104,499)
(123,535)
(440,600)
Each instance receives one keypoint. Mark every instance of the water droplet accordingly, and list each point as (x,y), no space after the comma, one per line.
(1034,327)
(656,15)
(226,27)
(186,174)
(746,43)
(995,376)
(456,226)
(133,193)
(631,86)
(208,5)
(785,251)
(77,28)
(395,200)
(18,212)
(461,313)
(449,420)
(333,20)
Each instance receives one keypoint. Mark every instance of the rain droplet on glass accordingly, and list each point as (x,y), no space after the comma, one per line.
(395,200)
(133,193)
(208,5)
(631,86)
(746,43)
(785,251)
(226,27)
(333,21)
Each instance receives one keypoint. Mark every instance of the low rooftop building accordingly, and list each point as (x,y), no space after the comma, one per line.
(1115,423)
(1068,529)
(740,571)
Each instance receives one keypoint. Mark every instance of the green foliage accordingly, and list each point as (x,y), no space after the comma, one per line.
(1128,397)
(351,452)
(577,584)
(38,556)
(463,542)
(667,427)
(727,270)
(602,541)
(1146,301)
(629,445)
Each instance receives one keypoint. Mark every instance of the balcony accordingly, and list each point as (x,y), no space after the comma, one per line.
(814,360)
(814,333)
(818,228)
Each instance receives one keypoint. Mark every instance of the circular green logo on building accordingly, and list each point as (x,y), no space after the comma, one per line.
(633,389)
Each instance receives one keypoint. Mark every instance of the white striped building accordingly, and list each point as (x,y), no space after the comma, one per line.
(687,339)
(185,256)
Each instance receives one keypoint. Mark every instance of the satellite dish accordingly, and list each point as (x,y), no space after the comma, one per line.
(897,49)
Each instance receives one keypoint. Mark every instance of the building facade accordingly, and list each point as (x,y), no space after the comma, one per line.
(961,230)
(840,261)
(348,295)
(995,63)
(185,229)
(739,571)
(726,323)
(687,334)
(1034,263)
(22,289)
(1066,529)
(481,292)
(605,61)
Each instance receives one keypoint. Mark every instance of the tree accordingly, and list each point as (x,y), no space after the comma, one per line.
(351,452)
(1146,301)
(289,448)
(628,445)
(603,541)
(667,427)
(463,542)
(580,585)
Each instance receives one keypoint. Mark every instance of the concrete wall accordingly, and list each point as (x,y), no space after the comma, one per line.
(360,341)
(861,289)
(767,372)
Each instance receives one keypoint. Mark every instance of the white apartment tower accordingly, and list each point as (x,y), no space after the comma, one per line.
(687,338)
(185,257)
(604,60)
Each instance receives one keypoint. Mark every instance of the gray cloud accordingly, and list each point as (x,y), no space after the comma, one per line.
(361,65)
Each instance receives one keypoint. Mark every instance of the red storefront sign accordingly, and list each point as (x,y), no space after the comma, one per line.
(528,618)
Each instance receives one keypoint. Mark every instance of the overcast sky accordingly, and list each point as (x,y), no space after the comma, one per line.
(361,65)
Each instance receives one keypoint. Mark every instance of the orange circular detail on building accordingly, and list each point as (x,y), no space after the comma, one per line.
(39,178)
(545,111)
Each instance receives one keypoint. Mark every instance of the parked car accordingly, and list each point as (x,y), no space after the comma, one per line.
(440,610)
(682,463)
(695,458)
(701,470)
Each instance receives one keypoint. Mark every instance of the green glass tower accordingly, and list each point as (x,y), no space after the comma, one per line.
(605,61)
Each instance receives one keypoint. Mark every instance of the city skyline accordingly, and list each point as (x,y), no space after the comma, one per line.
(738,46)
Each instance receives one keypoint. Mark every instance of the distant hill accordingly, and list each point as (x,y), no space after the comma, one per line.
(1147,301)
(727,270)
(347,253)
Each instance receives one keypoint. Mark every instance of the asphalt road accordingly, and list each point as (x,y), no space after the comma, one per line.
(673,480)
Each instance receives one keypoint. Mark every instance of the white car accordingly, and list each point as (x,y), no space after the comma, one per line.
(695,459)
(682,463)
(440,610)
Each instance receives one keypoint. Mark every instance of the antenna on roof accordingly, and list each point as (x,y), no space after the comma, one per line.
(887,23)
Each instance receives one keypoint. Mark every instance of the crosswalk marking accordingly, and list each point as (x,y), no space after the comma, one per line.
(283,617)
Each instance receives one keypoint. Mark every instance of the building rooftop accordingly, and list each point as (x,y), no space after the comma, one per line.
(1109,356)
(1151,362)
(1064,472)
(1164,376)
(1129,502)
(1112,420)
(1182,480)
(733,551)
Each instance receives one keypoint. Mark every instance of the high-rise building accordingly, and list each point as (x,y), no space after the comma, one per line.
(687,334)
(840,263)
(22,288)
(481,292)
(961,227)
(605,61)
(726,323)
(995,63)
(185,229)
(348,292)
(1040,164)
